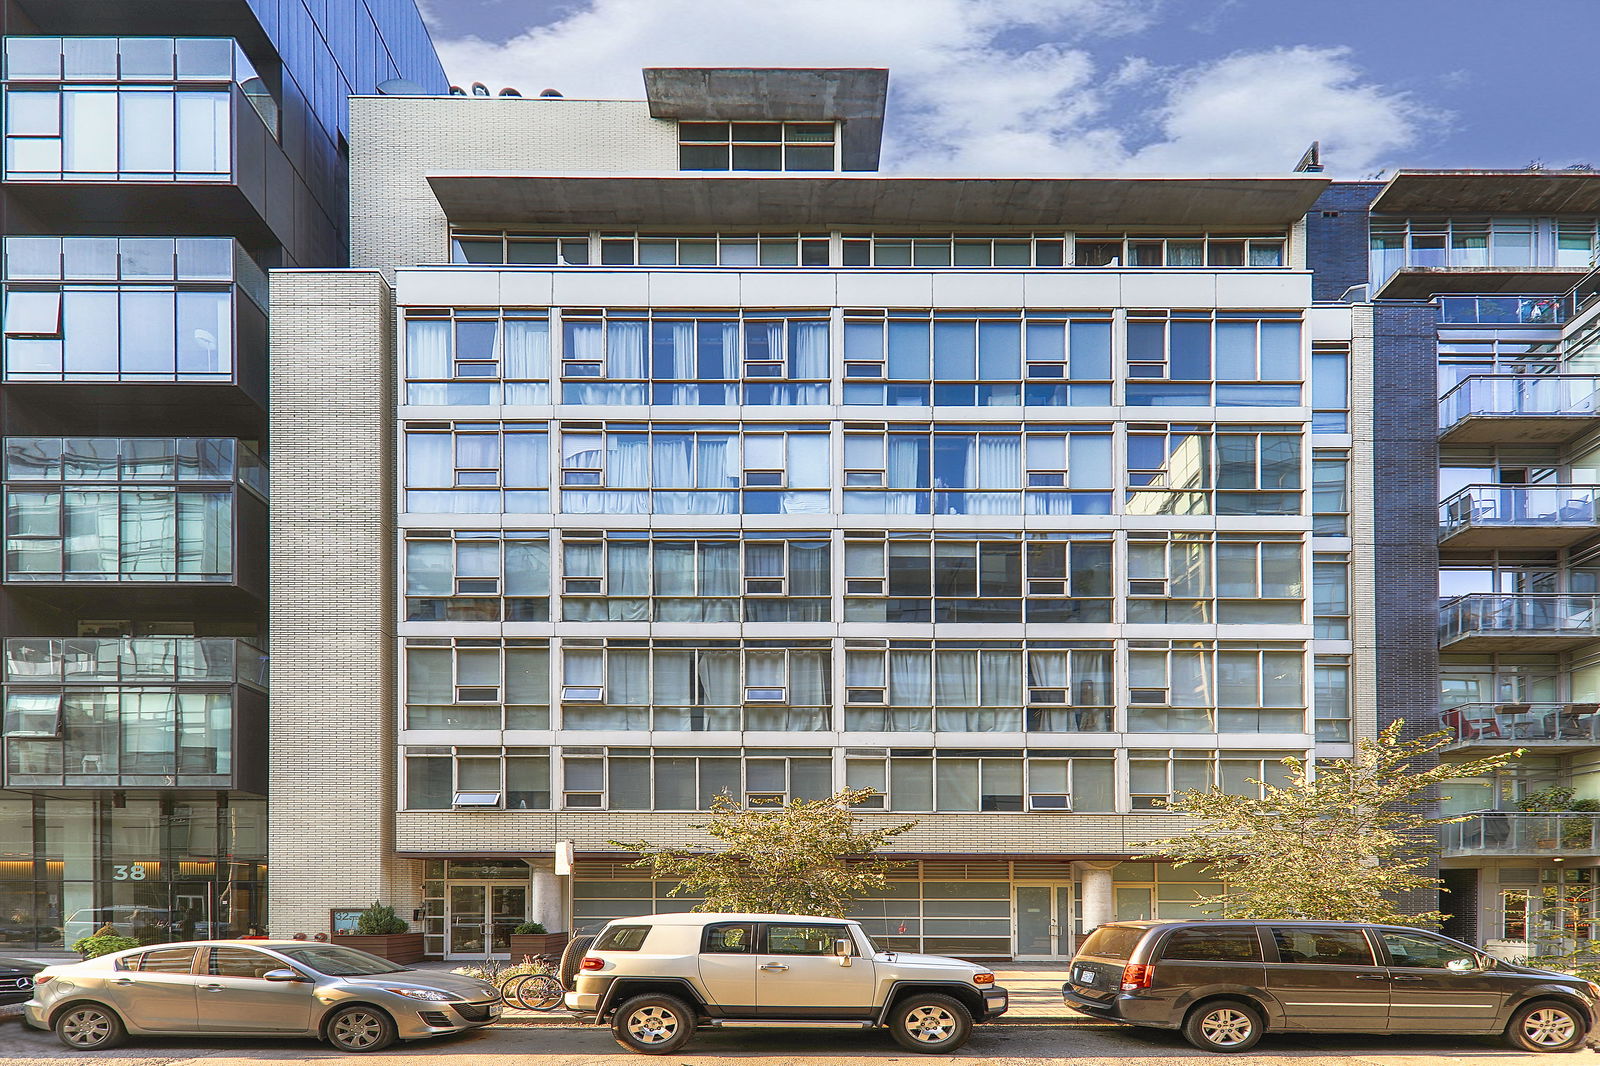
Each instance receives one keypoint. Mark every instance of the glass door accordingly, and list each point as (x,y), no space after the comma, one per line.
(479,918)
(1042,921)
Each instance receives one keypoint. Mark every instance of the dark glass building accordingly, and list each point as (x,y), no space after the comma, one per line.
(160,156)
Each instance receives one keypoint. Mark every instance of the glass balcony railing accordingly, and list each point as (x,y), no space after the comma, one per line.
(134,661)
(1520,507)
(1518,724)
(1509,619)
(1504,310)
(144,109)
(1508,833)
(95,712)
(1520,395)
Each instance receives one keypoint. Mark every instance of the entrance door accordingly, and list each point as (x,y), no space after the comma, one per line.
(1042,920)
(479,918)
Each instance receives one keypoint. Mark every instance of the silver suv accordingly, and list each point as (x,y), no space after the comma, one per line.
(657,978)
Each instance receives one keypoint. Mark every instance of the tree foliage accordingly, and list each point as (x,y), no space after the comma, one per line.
(1342,841)
(380,920)
(811,857)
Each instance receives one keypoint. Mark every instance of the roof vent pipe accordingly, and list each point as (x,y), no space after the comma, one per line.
(554,94)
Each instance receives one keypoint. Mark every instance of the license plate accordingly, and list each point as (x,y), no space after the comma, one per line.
(494,1011)
(1086,977)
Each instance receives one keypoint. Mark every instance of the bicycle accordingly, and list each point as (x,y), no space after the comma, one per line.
(533,991)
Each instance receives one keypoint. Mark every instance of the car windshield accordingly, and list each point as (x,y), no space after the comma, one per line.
(340,962)
(872,948)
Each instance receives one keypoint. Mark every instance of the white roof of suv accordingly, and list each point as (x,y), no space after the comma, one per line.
(705,918)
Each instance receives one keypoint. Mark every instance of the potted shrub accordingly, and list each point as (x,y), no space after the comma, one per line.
(92,947)
(382,932)
(530,939)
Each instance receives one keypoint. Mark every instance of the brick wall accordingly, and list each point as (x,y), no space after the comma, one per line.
(332,763)
(1336,238)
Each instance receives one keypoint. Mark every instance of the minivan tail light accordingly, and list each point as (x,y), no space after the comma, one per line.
(591,963)
(1137,975)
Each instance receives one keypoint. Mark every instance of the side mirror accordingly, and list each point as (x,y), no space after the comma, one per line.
(283,974)
(844,948)
(1463,965)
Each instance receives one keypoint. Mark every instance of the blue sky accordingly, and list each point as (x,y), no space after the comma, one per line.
(1095,86)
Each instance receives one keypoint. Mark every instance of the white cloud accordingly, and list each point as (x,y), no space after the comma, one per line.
(981,85)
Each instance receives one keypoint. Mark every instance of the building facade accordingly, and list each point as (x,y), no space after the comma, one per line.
(160,157)
(651,450)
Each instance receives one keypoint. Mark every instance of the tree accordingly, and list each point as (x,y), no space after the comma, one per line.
(810,857)
(1338,842)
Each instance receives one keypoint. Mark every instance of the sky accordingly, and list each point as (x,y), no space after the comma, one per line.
(1106,86)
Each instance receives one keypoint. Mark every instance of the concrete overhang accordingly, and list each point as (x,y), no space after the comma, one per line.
(852,96)
(869,202)
(1422,283)
(1490,192)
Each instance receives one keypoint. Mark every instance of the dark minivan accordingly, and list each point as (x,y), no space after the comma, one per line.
(1224,983)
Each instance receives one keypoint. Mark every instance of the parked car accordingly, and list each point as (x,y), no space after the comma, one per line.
(293,988)
(657,978)
(16,979)
(1225,983)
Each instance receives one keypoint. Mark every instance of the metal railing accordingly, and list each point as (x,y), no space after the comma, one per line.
(134,661)
(1516,833)
(1520,394)
(1516,723)
(1489,613)
(1519,505)
(1532,310)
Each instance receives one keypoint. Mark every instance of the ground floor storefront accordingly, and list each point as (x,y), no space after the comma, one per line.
(1521,907)
(153,866)
(1003,907)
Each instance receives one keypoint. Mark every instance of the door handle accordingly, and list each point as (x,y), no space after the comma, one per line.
(123,981)
(1376,977)
(1402,977)
(212,988)
(774,966)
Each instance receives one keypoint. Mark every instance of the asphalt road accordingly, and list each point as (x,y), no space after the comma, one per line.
(1008,1045)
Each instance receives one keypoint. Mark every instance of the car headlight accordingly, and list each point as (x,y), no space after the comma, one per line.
(422,993)
(1594,989)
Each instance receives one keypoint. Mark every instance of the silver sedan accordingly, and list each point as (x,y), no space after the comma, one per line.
(353,1000)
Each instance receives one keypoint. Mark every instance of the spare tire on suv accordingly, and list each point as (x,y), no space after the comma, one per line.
(576,949)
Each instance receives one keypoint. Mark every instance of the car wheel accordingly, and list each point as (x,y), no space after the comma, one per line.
(932,1024)
(360,1028)
(1547,1026)
(1225,1025)
(571,956)
(89,1027)
(653,1024)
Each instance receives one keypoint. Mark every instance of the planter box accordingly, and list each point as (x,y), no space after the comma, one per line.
(396,947)
(536,944)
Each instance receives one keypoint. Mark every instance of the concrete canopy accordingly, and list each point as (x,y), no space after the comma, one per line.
(1487,192)
(848,202)
(853,96)
(1422,283)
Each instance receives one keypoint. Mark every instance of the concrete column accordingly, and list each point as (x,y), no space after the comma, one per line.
(1094,888)
(546,904)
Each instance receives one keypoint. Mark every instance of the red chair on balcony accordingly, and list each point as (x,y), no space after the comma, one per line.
(1467,728)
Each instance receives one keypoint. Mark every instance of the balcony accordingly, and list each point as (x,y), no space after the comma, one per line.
(1523,835)
(1510,622)
(1518,516)
(114,315)
(1542,409)
(101,128)
(1485,728)
(139,512)
(1538,310)
(117,712)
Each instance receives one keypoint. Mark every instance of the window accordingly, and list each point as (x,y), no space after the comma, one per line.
(1200,250)
(1213,944)
(756,146)
(477,357)
(1331,698)
(705,469)
(982,779)
(804,939)
(961,359)
(1413,950)
(741,250)
(1322,946)
(731,939)
(135,133)
(1330,387)
(167,960)
(1254,357)
(962,251)
(622,938)
(1223,686)
(1200,577)
(1330,493)
(520,249)
(1330,595)
(671,779)
(477,576)
(494,778)
(477,683)
(477,467)
(240,962)
(1156,776)
(696,685)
